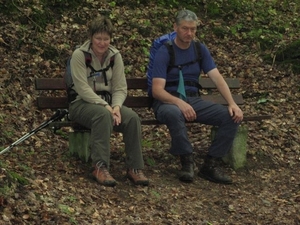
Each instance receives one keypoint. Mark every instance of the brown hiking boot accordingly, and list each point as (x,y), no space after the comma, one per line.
(102,175)
(137,177)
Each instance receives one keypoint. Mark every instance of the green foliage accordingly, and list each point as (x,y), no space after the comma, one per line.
(213,9)
(260,22)
(73,220)
(220,32)
(18,177)
(262,100)
(8,133)
(289,52)
(65,209)
(169,3)
(133,3)
(63,134)
(286,56)
(5,190)
(188,4)
(7,7)
(150,161)
(61,4)
(112,4)
(155,194)
(2,117)
(147,143)
(39,13)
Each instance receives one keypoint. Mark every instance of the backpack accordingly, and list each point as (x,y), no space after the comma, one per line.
(167,41)
(88,60)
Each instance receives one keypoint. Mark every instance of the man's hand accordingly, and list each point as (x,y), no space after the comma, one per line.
(187,110)
(236,113)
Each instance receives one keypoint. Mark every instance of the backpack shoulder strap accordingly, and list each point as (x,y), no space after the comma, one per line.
(198,49)
(112,61)
(88,60)
(199,57)
(110,65)
(171,52)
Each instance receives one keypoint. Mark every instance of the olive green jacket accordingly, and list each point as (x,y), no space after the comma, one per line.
(86,87)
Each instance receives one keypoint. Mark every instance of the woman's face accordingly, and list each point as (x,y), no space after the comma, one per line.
(100,43)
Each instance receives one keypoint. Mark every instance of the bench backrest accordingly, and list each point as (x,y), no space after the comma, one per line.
(137,99)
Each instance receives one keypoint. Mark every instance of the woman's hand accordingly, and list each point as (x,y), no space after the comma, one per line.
(116,115)
(115,112)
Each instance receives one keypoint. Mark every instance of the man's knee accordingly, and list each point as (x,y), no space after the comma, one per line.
(172,113)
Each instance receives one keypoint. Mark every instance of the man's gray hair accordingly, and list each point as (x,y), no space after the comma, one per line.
(185,15)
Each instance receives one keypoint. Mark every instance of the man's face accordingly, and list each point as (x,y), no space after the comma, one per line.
(186,30)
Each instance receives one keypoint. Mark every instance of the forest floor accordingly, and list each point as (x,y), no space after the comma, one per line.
(41,183)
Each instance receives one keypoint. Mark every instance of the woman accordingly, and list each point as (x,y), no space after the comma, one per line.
(97,103)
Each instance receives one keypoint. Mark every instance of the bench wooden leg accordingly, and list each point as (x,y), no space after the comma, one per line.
(237,156)
(79,144)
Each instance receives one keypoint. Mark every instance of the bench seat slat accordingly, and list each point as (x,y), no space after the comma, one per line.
(52,102)
(132,102)
(60,124)
(57,84)
(50,84)
(132,83)
(257,118)
(233,83)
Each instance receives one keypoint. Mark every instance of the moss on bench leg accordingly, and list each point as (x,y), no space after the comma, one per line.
(237,156)
(79,144)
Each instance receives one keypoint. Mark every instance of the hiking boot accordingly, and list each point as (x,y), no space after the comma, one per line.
(212,171)
(102,175)
(137,177)
(186,174)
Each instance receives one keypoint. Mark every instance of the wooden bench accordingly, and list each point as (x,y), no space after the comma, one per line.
(53,96)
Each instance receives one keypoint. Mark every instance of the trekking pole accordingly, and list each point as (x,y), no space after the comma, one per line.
(57,116)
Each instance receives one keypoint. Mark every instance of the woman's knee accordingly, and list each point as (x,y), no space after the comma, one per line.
(131,116)
(102,116)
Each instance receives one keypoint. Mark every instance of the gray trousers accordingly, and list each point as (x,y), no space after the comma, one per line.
(100,121)
(207,113)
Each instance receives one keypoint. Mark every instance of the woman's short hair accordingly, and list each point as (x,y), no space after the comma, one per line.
(99,25)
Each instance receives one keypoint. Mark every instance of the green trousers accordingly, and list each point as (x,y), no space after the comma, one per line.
(100,121)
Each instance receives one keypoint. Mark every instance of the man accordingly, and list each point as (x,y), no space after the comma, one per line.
(176,102)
